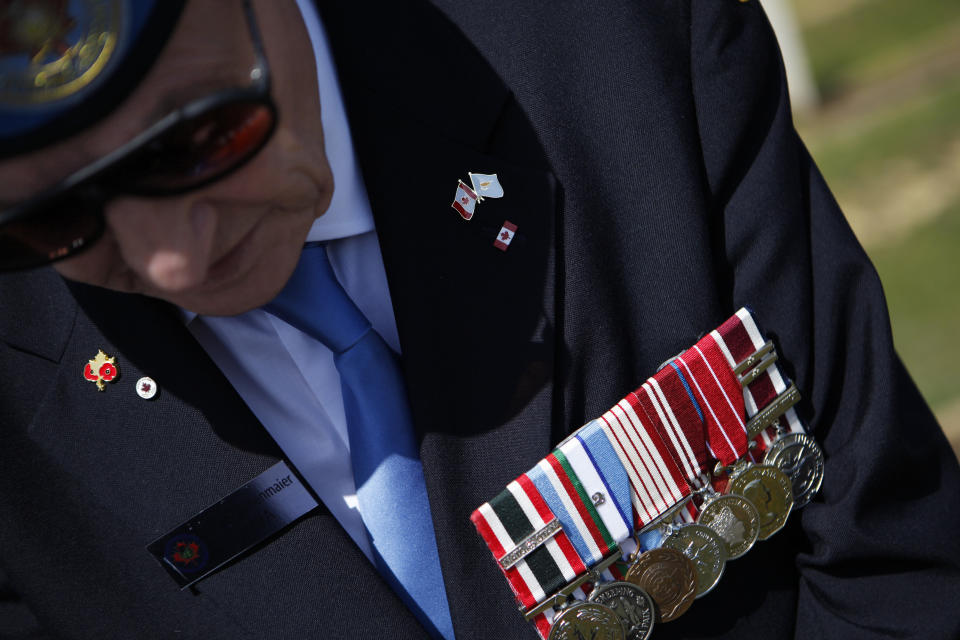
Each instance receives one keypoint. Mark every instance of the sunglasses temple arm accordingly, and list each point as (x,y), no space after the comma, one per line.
(255,37)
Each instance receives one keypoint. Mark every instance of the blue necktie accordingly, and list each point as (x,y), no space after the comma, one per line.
(391,493)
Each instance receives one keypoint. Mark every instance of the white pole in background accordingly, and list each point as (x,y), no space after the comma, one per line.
(803,89)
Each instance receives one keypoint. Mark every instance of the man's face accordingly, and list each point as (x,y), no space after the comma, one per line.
(230,246)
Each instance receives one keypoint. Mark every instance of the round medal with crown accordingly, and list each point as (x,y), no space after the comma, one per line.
(52,49)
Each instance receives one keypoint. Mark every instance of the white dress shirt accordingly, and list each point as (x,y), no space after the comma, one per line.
(287,378)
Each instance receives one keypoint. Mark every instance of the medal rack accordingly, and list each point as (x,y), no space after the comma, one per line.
(635,515)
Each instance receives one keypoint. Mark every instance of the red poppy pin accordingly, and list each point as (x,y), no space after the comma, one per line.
(187,552)
(101,369)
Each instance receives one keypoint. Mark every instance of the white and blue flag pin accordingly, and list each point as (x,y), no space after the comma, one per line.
(486,185)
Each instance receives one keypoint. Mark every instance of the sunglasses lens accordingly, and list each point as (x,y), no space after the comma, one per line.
(199,149)
(60,230)
(193,152)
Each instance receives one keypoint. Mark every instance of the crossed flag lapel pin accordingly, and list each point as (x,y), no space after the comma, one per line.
(484,186)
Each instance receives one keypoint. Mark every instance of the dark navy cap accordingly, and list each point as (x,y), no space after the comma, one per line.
(66,64)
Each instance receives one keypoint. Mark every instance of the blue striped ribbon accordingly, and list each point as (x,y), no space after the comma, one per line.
(608,467)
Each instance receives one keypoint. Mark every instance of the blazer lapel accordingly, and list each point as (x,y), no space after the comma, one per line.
(476,323)
(143,330)
(197,433)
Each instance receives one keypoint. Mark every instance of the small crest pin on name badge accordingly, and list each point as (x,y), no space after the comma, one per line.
(485,185)
(505,237)
(102,368)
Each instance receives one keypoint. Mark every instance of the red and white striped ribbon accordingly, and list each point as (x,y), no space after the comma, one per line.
(717,391)
(678,425)
(738,338)
(656,482)
(676,421)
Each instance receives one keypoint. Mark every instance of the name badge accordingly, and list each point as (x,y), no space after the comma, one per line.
(224,530)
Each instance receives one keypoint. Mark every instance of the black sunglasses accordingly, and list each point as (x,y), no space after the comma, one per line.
(189,148)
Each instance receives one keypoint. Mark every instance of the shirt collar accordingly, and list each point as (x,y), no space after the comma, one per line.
(349,212)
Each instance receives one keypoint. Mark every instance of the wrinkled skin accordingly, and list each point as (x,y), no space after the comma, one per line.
(230,246)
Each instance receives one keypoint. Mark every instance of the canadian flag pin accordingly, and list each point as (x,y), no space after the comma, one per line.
(505,236)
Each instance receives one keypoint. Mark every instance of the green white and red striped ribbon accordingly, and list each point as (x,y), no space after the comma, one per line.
(506,521)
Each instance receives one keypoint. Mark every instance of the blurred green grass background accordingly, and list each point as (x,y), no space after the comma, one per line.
(887,137)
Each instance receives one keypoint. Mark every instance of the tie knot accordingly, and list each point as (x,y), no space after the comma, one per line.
(314,302)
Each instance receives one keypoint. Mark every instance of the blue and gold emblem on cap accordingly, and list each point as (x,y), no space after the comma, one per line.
(52,49)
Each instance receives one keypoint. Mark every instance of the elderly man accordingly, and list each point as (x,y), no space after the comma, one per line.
(188,449)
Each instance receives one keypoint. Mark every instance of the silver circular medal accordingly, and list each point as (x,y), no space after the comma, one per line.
(801,458)
(631,603)
(735,519)
(587,620)
(770,491)
(705,548)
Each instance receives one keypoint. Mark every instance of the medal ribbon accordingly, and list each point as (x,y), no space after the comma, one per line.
(716,389)
(678,419)
(564,493)
(674,418)
(560,487)
(510,518)
(738,338)
(604,479)
(655,480)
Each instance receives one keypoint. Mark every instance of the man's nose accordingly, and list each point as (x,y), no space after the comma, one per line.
(168,242)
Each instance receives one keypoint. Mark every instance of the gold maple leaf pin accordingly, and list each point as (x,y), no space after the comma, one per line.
(102,368)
